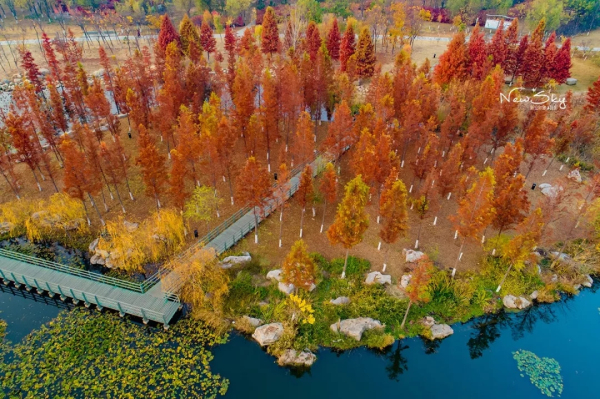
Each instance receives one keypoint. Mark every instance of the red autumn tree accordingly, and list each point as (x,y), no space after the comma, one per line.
(226,139)
(303,147)
(347,47)
(339,133)
(593,98)
(549,55)
(537,138)
(392,207)
(31,68)
(207,39)
(365,55)
(510,63)
(253,188)
(111,164)
(306,192)
(476,210)
(454,62)
(270,34)
(561,65)
(418,287)
(351,220)
(99,109)
(385,160)
(167,33)
(179,171)
(243,99)
(154,172)
(281,194)
(313,39)
(270,113)
(21,135)
(50,56)
(333,40)
(498,46)
(479,63)
(230,48)
(450,171)
(79,179)
(532,66)
(364,160)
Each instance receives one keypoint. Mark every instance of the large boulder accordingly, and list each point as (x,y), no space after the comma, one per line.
(588,282)
(299,359)
(571,81)
(513,302)
(378,278)
(268,334)
(355,327)
(274,275)
(342,300)
(130,226)
(574,175)
(534,295)
(405,280)
(412,256)
(229,261)
(550,191)
(286,288)
(441,331)
(5,227)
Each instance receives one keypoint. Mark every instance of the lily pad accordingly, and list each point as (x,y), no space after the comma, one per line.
(543,372)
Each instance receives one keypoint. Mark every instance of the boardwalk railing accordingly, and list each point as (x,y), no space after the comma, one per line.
(115,282)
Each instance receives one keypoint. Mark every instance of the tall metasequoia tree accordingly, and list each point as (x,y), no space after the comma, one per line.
(226,139)
(519,248)
(31,68)
(478,60)
(476,210)
(305,193)
(450,171)
(171,95)
(288,80)
(456,117)
(328,189)
(385,159)
(207,39)
(511,39)
(154,172)
(497,48)
(347,47)
(333,40)
(188,34)
(392,207)
(111,164)
(365,53)
(57,109)
(270,34)
(298,267)
(167,33)
(188,143)
(79,179)
(230,49)
(592,103)
(107,76)
(270,113)
(537,137)
(11,178)
(549,53)
(303,149)
(351,220)
(560,69)
(243,100)
(418,287)
(454,62)
(91,147)
(532,67)
(281,193)
(99,109)
(253,189)
(22,141)
(50,56)
(364,159)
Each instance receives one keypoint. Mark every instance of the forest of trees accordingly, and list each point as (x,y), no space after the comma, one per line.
(222,115)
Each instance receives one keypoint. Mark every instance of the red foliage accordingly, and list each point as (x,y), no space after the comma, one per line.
(333,40)
(347,47)
(167,33)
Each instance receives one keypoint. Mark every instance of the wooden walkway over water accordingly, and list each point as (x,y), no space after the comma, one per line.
(145,300)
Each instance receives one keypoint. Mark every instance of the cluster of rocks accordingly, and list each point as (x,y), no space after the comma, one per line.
(284,287)
(291,357)
(513,302)
(438,331)
(412,256)
(268,334)
(230,261)
(103,257)
(355,328)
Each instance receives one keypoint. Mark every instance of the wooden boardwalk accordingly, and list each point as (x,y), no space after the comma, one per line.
(144,300)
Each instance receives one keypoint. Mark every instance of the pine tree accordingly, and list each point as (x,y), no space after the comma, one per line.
(298,267)
(270,34)
(154,173)
(333,40)
(347,47)
(365,53)
(392,207)
(167,33)
(561,65)
(253,188)
(476,210)
(207,39)
(351,220)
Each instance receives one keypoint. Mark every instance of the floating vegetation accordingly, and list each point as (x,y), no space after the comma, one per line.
(544,373)
(92,355)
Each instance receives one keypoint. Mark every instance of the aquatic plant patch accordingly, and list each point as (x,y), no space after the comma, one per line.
(91,355)
(543,372)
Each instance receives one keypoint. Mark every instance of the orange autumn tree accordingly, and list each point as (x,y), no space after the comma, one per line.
(305,192)
(418,287)
(476,210)
(253,188)
(351,219)
(328,188)
(537,138)
(303,149)
(299,268)
(519,248)
(154,172)
(339,133)
(280,193)
(450,171)
(425,202)
(392,207)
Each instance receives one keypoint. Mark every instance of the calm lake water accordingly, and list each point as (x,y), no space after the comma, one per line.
(475,362)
